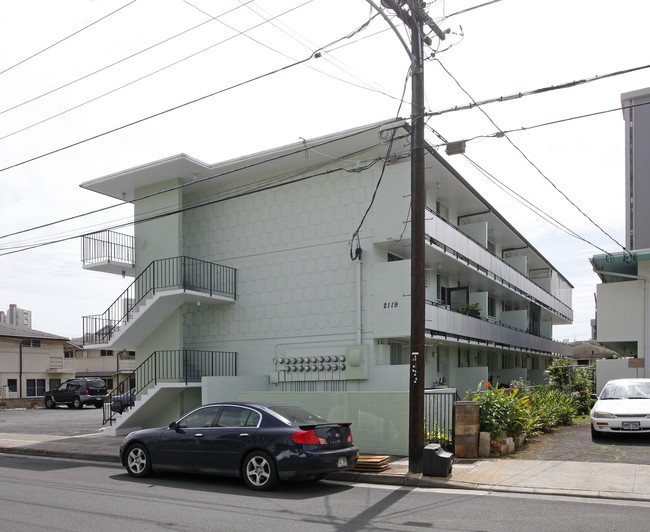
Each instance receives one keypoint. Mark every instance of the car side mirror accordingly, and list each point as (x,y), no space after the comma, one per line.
(594,396)
(173,425)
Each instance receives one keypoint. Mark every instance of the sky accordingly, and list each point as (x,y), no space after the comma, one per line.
(92,87)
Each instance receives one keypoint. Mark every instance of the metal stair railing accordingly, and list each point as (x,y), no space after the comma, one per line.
(183,273)
(175,366)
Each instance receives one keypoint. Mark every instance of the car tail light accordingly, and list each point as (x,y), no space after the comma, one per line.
(350,438)
(308,437)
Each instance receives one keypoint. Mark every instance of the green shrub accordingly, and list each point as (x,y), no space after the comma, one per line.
(576,381)
(438,435)
(509,412)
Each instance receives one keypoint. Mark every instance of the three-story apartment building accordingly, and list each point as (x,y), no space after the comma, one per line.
(289,270)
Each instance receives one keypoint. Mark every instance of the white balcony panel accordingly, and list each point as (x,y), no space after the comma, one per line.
(112,267)
(454,323)
(497,268)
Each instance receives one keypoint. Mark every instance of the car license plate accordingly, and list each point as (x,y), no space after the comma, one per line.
(343,462)
(631,425)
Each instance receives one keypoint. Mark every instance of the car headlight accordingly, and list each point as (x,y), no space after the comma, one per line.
(603,415)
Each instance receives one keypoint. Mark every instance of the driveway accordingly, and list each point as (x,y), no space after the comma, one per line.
(60,421)
(573,444)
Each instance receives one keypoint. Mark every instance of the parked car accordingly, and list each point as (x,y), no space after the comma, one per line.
(622,407)
(258,442)
(76,393)
(123,401)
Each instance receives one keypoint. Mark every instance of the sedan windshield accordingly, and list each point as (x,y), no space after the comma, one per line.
(628,390)
(296,415)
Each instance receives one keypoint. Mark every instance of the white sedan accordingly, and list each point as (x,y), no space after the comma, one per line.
(623,407)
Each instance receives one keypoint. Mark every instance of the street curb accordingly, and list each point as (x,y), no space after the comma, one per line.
(420,481)
(60,454)
(411,480)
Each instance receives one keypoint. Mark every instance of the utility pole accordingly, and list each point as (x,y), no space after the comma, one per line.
(412,13)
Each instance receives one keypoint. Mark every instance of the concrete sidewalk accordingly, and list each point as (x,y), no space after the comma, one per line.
(579,479)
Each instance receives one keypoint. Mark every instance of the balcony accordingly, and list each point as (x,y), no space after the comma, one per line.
(447,324)
(484,267)
(108,251)
(154,295)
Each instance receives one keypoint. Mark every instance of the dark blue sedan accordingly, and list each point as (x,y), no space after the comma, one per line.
(261,443)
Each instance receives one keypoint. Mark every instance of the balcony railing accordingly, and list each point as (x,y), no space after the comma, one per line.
(107,246)
(180,273)
(455,325)
(179,366)
(500,271)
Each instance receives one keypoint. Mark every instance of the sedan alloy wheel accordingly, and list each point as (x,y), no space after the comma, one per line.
(259,471)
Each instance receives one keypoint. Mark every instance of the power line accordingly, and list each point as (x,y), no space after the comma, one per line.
(106,67)
(163,212)
(561,121)
(445,17)
(216,176)
(65,38)
(144,77)
(160,113)
(533,164)
(542,90)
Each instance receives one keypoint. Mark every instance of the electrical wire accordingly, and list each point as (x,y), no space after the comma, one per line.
(161,113)
(106,67)
(531,162)
(542,90)
(560,121)
(164,212)
(531,206)
(214,176)
(143,77)
(335,63)
(469,9)
(65,38)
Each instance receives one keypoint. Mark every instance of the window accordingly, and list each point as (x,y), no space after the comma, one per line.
(235,416)
(109,383)
(35,387)
(12,384)
(399,354)
(199,418)
(31,342)
(492,307)
(68,354)
(106,353)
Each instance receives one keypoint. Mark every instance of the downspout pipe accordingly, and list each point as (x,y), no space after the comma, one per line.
(20,370)
(645,310)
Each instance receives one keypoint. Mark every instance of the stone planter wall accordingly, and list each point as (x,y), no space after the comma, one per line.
(24,402)
(467,426)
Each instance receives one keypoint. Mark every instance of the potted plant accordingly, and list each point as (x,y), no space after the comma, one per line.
(473,309)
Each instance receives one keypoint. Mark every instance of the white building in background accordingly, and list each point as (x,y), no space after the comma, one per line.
(289,270)
(636,112)
(623,297)
(17,316)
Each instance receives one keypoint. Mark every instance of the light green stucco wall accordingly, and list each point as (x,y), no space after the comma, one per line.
(379,419)
(150,245)
(168,336)
(187,400)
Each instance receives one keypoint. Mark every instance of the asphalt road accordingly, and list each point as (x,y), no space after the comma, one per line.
(72,495)
(573,444)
